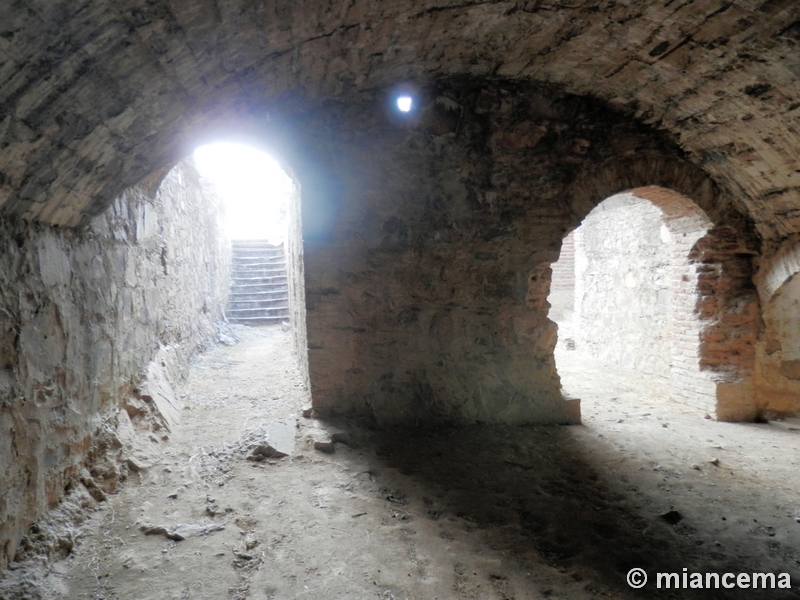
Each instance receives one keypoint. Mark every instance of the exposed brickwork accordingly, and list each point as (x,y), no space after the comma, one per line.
(428,240)
(415,294)
(130,86)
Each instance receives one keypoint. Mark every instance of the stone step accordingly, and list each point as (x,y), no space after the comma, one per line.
(279,279)
(240,243)
(249,295)
(257,296)
(246,276)
(236,304)
(252,257)
(256,242)
(247,270)
(254,321)
(248,292)
(273,268)
(251,261)
(257,250)
(247,260)
(259,291)
(238,313)
(269,281)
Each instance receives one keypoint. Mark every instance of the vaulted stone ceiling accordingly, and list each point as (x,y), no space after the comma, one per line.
(96,95)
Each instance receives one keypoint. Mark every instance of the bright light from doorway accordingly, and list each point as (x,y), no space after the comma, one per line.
(255,189)
(404,103)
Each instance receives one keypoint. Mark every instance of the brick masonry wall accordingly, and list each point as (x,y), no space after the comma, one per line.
(428,247)
(728,309)
(689,382)
(778,352)
(87,312)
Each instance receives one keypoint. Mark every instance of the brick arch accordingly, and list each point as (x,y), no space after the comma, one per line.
(648,172)
(778,352)
(716,320)
(293,145)
(776,270)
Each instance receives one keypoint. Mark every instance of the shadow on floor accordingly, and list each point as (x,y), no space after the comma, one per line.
(542,495)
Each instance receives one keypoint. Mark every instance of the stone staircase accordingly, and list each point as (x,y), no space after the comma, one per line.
(259,293)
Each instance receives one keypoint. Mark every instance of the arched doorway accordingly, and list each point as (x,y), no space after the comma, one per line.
(645,283)
(263,223)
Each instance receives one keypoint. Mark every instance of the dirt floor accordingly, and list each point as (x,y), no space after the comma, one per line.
(477,512)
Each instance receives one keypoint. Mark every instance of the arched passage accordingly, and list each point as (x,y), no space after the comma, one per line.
(715,311)
(778,353)
(267,205)
(635,290)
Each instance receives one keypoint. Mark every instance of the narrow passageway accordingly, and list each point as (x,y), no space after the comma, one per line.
(477,512)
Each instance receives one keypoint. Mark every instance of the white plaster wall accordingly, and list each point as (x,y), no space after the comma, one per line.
(623,296)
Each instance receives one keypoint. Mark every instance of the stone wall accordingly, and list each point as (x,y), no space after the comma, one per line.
(622,312)
(82,315)
(429,244)
(124,86)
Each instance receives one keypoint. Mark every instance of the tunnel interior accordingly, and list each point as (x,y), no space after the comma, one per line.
(441,155)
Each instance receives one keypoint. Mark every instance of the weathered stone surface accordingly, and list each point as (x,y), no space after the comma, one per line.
(326,446)
(281,434)
(278,440)
(181,531)
(296,279)
(506,145)
(82,321)
(157,388)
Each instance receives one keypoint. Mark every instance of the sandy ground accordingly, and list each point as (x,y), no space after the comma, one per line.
(477,512)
